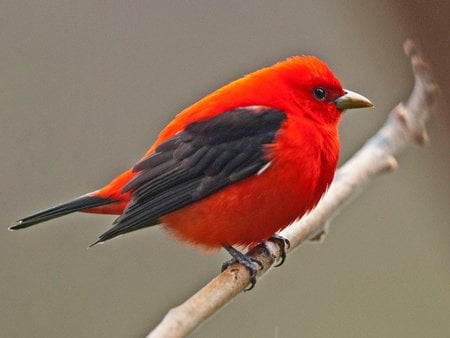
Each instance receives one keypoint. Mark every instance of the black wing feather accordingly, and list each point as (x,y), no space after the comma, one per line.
(203,158)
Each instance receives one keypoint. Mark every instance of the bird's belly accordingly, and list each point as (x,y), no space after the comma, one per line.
(251,210)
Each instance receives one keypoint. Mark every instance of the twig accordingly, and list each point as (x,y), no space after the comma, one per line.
(404,126)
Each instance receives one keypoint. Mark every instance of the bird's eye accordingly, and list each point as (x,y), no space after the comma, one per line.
(320,93)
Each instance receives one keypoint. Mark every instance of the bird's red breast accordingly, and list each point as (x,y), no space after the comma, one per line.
(301,168)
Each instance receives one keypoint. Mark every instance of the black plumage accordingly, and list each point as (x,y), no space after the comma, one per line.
(203,158)
(80,203)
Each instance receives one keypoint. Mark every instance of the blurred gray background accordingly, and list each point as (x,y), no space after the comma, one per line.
(85,86)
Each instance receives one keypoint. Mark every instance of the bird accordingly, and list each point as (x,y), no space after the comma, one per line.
(234,168)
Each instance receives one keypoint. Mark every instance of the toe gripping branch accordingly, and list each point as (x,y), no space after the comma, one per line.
(284,244)
(254,265)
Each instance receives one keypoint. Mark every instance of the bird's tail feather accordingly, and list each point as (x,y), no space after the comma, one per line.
(79,204)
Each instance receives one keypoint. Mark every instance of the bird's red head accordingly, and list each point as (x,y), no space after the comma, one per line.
(300,86)
(312,87)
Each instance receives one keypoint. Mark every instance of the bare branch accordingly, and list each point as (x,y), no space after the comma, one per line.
(404,126)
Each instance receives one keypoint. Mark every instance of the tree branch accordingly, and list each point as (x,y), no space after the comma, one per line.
(404,126)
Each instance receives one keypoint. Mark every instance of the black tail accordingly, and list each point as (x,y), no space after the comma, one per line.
(80,203)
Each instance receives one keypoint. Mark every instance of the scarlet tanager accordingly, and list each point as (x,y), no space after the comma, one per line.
(237,166)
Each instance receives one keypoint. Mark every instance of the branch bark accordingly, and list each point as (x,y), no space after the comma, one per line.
(404,126)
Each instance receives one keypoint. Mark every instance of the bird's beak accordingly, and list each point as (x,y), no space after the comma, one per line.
(351,100)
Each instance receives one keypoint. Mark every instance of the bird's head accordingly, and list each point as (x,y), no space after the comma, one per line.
(316,90)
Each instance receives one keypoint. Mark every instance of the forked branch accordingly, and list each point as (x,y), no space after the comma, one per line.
(404,126)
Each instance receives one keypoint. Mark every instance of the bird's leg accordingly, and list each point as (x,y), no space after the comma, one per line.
(247,261)
(283,243)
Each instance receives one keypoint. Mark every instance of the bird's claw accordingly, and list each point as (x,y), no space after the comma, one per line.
(284,244)
(249,262)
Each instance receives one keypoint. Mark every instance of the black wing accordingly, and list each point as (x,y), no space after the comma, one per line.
(203,158)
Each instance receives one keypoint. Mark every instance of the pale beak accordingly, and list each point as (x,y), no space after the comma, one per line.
(351,100)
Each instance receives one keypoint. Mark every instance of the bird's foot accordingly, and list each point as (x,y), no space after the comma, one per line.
(284,244)
(247,261)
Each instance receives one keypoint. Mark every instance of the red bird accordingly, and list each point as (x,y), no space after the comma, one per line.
(235,167)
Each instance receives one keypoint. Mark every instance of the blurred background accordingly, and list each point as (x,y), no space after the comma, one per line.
(85,87)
